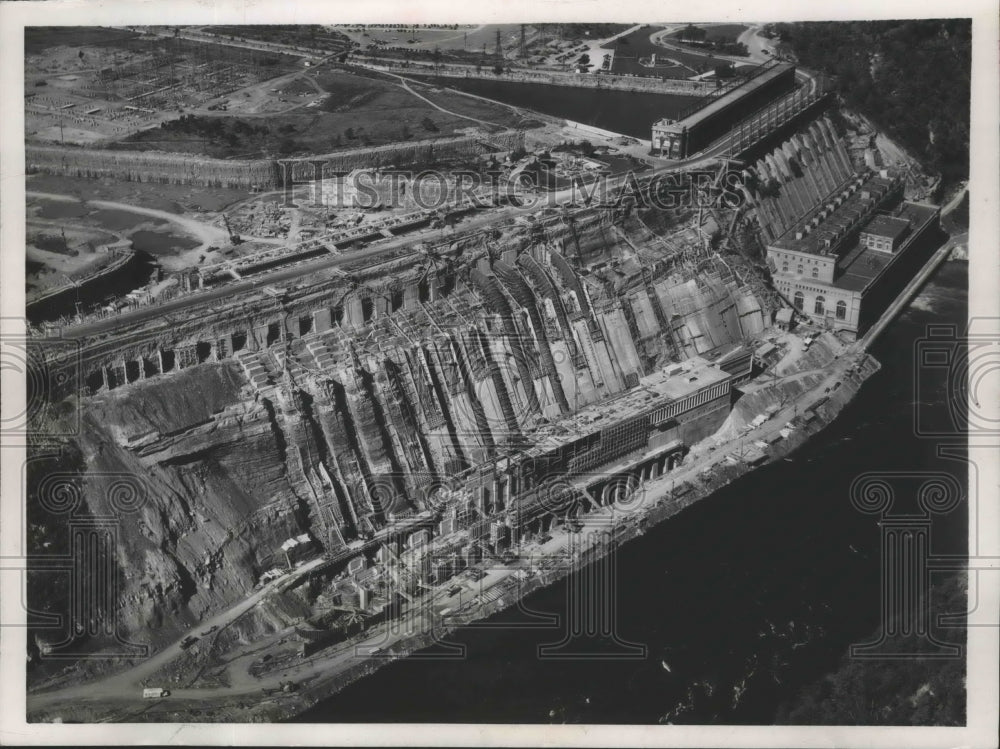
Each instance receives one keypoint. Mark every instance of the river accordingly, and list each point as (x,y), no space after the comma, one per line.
(747,596)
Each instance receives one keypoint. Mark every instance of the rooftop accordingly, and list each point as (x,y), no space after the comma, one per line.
(724,101)
(665,386)
(857,268)
(825,226)
(887,226)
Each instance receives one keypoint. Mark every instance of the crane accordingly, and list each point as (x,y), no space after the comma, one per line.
(234,238)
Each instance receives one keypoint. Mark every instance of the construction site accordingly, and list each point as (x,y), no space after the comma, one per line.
(98,93)
(358,425)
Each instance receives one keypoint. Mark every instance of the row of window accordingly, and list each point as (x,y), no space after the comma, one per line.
(819,307)
(815,270)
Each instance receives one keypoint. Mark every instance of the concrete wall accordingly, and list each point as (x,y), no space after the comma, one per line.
(553,78)
(189,169)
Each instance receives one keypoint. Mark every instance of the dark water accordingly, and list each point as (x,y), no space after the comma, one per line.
(161,242)
(97,293)
(61,209)
(147,243)
(628,112)
(759,589)
(122,220)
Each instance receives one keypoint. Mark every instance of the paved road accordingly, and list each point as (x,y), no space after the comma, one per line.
(405,83)
(206,233)
(128,683)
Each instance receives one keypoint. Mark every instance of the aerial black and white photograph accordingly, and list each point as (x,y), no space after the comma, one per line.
(578,373)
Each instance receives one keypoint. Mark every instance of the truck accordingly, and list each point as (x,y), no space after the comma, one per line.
(155,693)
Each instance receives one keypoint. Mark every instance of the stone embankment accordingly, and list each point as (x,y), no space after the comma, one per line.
(253,174)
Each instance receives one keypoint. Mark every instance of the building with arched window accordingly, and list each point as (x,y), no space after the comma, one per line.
(860,245)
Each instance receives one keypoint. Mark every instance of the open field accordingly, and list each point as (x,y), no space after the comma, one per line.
(304,36)
(178,199)
(358,111)
(714,32)
(123,83)
(470,107)
(38,39)
(453,37)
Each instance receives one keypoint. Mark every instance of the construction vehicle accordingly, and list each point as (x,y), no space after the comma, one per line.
(234,238)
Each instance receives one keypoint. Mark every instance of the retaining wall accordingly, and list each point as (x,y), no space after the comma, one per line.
(190,169)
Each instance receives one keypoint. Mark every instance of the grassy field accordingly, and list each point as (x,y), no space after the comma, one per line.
(724,30)
(720,31)
(37,39)
(359,112)
(455,102)
(468,38)
(299,35)
(178,199)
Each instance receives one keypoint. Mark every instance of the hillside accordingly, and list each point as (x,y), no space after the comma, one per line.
(919,100)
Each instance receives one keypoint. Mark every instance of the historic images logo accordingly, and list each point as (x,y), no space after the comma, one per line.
(50,369)
(317,183)
(92,510)
(970,366)
(955,378)
(907,559)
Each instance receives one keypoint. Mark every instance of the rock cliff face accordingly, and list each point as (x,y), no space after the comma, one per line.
(339,431)
(217,497)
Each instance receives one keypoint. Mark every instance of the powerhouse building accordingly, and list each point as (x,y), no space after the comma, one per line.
(712,119)
(847,258)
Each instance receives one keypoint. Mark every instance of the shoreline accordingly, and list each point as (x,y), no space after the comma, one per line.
(118,263)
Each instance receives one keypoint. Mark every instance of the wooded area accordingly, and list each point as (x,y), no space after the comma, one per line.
(912,78)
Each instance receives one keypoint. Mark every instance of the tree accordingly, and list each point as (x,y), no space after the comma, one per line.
(725,71)
(349,133)
(692,33)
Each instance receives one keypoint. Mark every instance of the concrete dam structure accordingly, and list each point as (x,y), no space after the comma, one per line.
(480,399)
(785,184)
